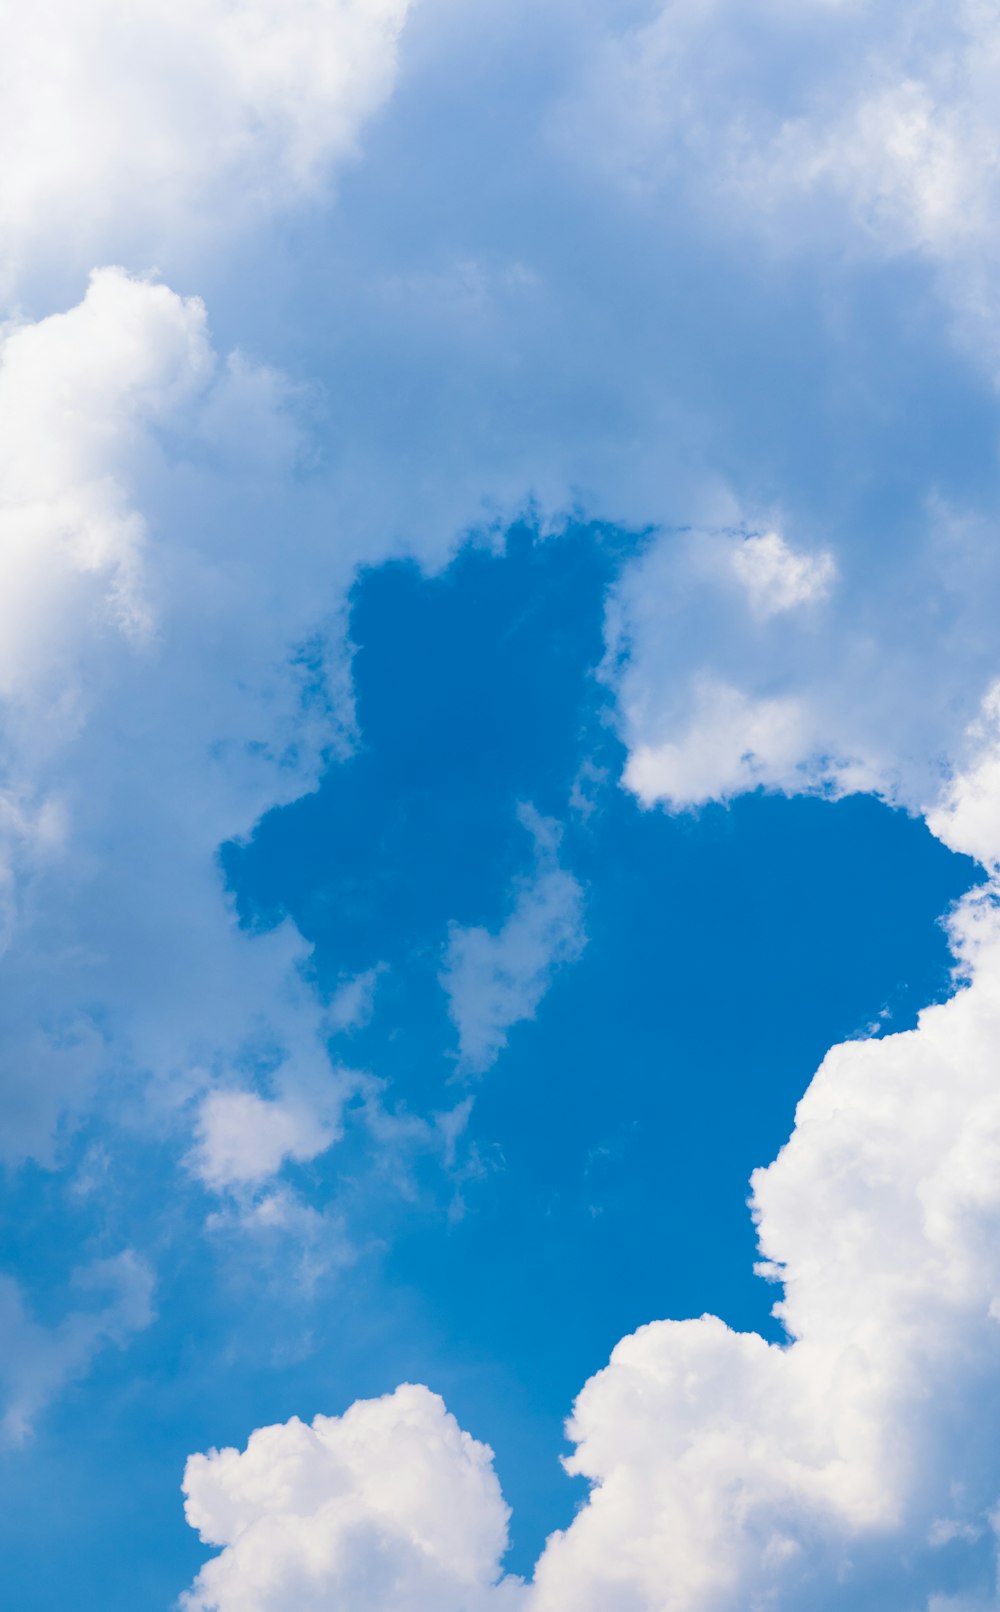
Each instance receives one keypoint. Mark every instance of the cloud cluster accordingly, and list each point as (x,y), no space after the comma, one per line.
(146,716)
(854,1466)
(171,581)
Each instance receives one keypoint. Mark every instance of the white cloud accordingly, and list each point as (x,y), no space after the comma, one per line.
(389,1508)
(244,1138)
(150,709)
(38,1361)
(78,391)
(779,1474)
(965,816)
(776,578)
(133,132)
(163,557)
(878,134)
(732,744)
(872,689)
(496,980)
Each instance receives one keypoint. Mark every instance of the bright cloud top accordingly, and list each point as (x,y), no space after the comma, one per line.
(390,1505)
(131,131)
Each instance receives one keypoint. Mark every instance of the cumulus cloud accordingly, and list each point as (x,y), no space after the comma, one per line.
(873,686)
(731,743)
(821,1472)
(389,1508)
(77,393)
(164,556)
(147,714)
(133,132)
(494,981)
(39,1360)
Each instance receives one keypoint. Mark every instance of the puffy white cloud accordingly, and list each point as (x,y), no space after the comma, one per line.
(731,744)
(875,685)
(78,391)
(38,1360)
(163,557)
(496,980)
(821,1472)
(133,131)
(246,1138)
(389,1508)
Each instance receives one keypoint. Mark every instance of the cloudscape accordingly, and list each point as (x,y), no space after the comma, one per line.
(500,806)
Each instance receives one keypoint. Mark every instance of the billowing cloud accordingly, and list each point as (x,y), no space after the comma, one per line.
(171,588)
(146,716)
(494,981)
(389,1508)
(131,132)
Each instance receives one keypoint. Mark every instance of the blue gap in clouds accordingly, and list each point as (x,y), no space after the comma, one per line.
(616,1134)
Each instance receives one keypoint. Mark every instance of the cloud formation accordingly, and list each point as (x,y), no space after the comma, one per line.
(136,132)
(856,1462)
(145,718)
(171,587)
(389,1506)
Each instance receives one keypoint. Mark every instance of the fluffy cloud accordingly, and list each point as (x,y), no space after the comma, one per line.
(732,743)
(875,685)
(78,393)
(131,132)
(164,555)
(821,1472)
(389,1508)
(776,578)
(40,1360)
(147,714)
(496,980)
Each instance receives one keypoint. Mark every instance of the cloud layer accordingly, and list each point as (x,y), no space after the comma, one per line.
(706,191)
(136,133)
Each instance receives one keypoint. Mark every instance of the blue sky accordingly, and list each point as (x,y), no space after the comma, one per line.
(601,1178)
(499,774)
